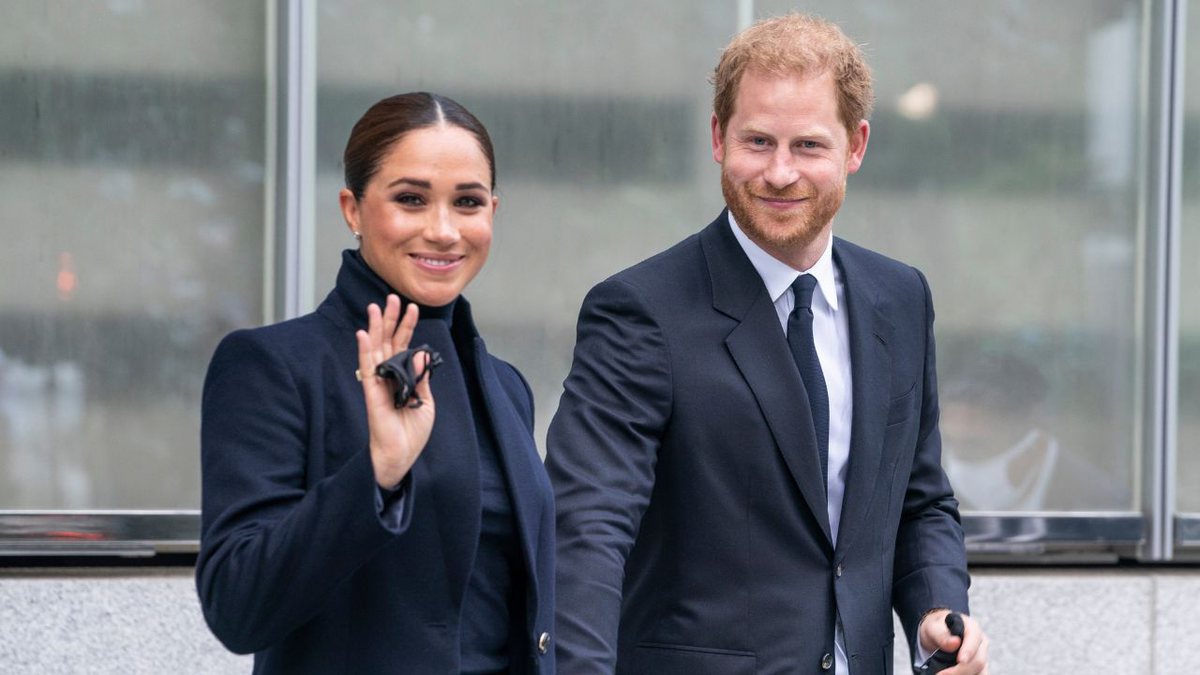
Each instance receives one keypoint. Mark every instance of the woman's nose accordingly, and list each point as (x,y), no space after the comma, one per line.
(441,227)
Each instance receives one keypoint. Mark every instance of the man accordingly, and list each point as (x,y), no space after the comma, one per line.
(742,488)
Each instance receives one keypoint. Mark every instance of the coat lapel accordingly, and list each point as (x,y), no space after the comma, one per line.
(451,458)
(759,349)
(517,456)
(870,368)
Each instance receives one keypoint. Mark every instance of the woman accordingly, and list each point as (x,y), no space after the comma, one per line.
(343,533)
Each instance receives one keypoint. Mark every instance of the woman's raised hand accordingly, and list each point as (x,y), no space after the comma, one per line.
(397,435)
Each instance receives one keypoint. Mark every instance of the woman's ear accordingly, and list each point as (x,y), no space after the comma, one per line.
(349,204)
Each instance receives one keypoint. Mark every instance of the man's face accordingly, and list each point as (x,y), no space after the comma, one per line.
(784,157)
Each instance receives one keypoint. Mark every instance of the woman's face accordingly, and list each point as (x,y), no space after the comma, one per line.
(426,215)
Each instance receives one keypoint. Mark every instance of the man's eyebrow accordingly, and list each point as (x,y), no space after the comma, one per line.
(812,132)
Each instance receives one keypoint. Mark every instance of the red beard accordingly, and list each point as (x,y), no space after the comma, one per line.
(783,234)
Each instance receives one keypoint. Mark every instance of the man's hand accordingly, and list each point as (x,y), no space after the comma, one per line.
(972,652)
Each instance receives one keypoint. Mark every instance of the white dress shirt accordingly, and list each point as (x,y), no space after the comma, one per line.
(831,333)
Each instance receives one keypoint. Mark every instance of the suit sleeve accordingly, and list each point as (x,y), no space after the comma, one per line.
(601,453)
(273,546)
(930,567)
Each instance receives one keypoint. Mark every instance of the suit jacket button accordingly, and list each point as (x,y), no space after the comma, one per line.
(837,572)
(543,643)
(827,662)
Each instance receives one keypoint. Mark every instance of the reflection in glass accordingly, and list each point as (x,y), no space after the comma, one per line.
(131,197)
(132,181)
(1004,163)
(1001,448)
(600,122)
(1007,173)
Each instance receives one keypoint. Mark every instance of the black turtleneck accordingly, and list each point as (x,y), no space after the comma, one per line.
(493,616)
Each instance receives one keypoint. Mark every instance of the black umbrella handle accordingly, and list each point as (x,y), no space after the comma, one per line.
(943,660)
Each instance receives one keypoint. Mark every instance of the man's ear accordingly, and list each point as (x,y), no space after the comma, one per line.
(718,141)
(858,146)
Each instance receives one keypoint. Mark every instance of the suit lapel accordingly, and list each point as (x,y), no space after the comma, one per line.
(870,367)
(760,351)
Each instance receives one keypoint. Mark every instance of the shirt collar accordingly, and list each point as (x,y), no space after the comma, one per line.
(777,276)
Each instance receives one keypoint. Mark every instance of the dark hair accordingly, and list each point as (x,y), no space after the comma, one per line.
(389,120)
(1000,381)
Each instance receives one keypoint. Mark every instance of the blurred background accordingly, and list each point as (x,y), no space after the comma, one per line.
(157,192)
(169,172)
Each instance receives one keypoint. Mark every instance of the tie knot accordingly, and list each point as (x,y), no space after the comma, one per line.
(803,287)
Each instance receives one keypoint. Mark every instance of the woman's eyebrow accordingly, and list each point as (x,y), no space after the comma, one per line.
(412,181)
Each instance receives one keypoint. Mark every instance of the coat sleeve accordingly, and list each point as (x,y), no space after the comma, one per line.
(521,397)
(601,453)
(275,543)
(930,568)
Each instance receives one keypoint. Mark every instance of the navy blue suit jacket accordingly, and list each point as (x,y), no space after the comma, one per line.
(296,563)
(692,530)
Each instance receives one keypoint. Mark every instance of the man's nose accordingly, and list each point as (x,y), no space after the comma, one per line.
(781,169)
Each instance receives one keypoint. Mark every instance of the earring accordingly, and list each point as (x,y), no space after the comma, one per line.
(358,236)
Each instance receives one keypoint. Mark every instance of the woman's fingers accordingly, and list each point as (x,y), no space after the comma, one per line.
(403,335)
(421,366)
(391,319)
(371,347)
(366,361)
(389,331)
(374,328)
(397,435)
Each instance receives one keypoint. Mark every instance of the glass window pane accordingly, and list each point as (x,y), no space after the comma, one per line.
(131,201)
(1188,469)
(1009,174)
(600,124)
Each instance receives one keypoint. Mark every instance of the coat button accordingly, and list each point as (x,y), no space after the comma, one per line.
(543,643)
(827,662)
(837,572)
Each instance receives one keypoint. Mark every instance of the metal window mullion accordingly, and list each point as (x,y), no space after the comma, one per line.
(271,280)
(297,154)
(745,14)
(1161,286)
(1172,224)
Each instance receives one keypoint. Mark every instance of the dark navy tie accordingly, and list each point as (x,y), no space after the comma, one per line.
(804,350)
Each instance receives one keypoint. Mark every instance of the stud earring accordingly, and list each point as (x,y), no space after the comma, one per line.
(358,236)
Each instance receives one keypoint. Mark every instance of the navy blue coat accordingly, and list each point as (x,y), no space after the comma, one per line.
(296,564)
(693,535)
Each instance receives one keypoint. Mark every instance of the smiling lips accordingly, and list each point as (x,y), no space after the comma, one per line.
(782,202)
(437,264)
